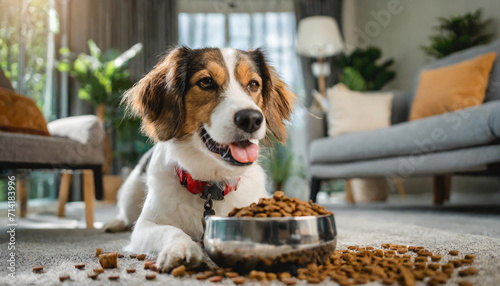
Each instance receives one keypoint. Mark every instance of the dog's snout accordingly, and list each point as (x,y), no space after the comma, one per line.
(248,120)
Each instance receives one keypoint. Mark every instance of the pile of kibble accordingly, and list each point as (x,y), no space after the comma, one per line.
(279,206)
(355,265)
(359,265)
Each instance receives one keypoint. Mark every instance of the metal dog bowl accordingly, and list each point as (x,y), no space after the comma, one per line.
(271,244)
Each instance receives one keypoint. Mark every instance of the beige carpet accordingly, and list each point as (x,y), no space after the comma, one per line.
(474,230)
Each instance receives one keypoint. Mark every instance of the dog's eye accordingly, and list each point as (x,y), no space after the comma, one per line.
(253,86)
(207,83)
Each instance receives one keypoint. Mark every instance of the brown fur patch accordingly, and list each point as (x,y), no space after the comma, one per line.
(199,104)
(157,97)
(245,71)
(277,99)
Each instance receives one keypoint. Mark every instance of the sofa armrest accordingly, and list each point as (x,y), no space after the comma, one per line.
(315,125)
(86,129)
(400,110)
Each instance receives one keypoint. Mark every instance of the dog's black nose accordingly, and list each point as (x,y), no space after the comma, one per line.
(248,120)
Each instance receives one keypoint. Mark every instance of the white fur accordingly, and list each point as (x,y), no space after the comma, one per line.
(170,222)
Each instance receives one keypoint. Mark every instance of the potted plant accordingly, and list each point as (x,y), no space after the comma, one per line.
(458,33)
(103,78)
(361,72)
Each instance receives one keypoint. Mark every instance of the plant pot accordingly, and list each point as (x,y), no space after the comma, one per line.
(111,184)
(369,190)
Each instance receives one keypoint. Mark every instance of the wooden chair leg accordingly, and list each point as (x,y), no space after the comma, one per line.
(400,187)
(63,192)
(441,191)
(22,195)
(89,197)
(349,197)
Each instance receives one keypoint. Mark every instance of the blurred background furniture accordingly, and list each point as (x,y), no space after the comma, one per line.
(75,144)
(319,37)
(463,142)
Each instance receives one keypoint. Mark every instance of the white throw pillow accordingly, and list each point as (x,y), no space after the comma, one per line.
(353,111)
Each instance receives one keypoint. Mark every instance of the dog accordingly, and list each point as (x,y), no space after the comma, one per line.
(206,110)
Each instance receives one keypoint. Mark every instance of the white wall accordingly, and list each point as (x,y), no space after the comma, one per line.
(401,27)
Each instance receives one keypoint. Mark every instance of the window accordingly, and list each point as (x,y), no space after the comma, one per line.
(25,49)
(274,32)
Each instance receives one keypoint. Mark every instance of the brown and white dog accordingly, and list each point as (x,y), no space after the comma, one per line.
(207,110)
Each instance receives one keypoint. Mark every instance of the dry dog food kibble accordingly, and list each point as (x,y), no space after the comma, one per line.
(436,258)
(468,271)
(133,255)
(453,252)
(109,260)
(215,279)
(64,278)
(93,276)
(141,257)
(130,270)
(179,271)
(231,274)
(80,266)
(239,280)
(114,277)
(98,251)
(148,264)
(151,276)
(38,269)
(98,270)
(279,206)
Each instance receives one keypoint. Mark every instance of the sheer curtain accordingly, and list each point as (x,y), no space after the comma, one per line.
(274,32)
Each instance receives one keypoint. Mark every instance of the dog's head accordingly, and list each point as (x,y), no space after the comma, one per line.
(227,99)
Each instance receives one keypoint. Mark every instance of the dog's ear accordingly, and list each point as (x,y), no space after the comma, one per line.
(158,97)
(278,99)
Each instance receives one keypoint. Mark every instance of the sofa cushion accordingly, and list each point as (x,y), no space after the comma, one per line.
(468,127)
(493,91)
(452,87)
(353,111)
(84,128)
(19,114)
(463,160)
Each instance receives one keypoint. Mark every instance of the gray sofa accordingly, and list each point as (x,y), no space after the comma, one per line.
(465,142)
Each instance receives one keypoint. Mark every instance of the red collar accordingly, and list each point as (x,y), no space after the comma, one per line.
(196,187)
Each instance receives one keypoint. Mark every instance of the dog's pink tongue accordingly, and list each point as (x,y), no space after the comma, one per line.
(246,154)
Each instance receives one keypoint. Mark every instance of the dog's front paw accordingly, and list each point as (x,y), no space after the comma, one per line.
(116,225)
(185,252)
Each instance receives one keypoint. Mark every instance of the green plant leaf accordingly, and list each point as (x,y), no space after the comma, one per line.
(64,67)
(457,33)
(94,49)
(128,55)
(64,51)
(353,79)
(83,94)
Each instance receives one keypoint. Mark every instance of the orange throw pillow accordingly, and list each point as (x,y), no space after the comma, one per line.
(452,87)
(19,114)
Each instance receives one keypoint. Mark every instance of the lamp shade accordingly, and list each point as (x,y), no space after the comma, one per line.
(319,36)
